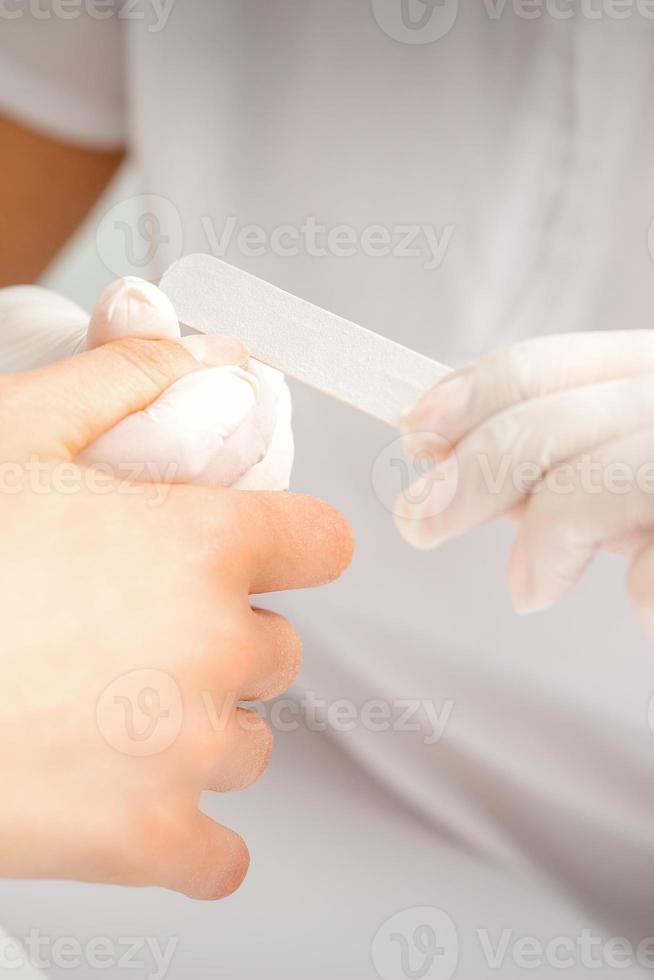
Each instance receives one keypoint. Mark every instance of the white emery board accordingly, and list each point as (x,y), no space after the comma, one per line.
(325,351)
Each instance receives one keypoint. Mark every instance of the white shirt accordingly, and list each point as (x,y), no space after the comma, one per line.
(524,146)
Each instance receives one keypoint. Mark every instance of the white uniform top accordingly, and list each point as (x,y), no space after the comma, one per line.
(523,148)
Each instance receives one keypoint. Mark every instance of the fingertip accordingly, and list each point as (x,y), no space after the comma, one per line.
(344,541)
(517,576)
(524,605)
(326,534)
(132,307)
(534,593)
(235,871)
(260,743)
(292,541)
(431,447)
(444,407)
(223,874)
(412,529)
(337,539)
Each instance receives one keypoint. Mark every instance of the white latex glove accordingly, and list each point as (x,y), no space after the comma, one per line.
(557,432)
(225,426)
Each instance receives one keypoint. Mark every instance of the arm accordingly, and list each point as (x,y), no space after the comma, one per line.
(46,189)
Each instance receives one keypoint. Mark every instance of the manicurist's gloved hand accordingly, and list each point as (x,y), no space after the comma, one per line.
(230,426)
(557,432)
(128,639)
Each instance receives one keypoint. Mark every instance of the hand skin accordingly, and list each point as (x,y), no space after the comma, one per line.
(47,187)
(567,424)
(109,602)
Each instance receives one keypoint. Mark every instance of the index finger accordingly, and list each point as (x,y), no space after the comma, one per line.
(258,541)
(518,373)
(290,541)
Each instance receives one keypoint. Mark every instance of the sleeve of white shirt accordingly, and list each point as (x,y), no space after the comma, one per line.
(61,70)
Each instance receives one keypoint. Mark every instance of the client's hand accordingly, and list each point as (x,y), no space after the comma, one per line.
(127,636)
(227,427)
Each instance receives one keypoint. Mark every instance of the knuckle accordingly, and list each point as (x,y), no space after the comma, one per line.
(514,371)
(500,434)
(220,520)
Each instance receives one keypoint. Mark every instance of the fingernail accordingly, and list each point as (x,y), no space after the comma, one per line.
(523,597)
(518,580)
(429,445)
(525,605)
(447,401)
(530,593)
(216,350)
(132,307)
(412,531)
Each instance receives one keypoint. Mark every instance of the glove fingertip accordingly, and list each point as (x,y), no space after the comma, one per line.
(132,307)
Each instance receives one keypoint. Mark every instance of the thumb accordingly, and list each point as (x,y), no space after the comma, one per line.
(58,410)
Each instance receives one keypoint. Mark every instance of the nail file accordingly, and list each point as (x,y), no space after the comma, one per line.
(348,362)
